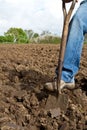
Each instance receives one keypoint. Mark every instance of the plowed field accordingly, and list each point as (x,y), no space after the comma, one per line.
(24,69)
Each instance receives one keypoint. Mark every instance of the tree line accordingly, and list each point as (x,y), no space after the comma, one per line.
(18,35)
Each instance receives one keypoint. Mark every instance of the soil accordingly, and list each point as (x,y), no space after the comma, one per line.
(24,69)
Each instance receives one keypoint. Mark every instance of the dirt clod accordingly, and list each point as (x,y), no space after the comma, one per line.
(55,112)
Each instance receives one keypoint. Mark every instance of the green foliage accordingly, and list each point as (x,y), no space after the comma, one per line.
(6,39)
(85,42)
(31,34)
(23,40)
(2,39)
(35,35)
(19,36)
(50,39)
(9,38)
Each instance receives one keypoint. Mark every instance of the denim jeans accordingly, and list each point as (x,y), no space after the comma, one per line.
(77,30)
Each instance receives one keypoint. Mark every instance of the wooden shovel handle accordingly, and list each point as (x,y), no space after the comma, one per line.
(67,17)
(70,10)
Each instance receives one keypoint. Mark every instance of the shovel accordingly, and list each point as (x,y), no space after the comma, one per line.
(60,100)
(67,17)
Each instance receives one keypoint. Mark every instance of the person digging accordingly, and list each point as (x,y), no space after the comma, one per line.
(71,63)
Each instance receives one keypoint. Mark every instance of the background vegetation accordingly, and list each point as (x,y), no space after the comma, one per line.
(18,35)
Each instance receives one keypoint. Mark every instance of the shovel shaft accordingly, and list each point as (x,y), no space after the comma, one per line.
(67,17)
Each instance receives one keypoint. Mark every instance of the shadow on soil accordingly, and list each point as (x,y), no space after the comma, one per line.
(30,79)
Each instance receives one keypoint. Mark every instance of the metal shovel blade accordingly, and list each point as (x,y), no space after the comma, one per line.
(60,102)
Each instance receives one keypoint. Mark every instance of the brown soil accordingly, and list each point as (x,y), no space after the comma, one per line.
(23,71)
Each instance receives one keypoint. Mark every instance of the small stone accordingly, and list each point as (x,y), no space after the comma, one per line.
(27,117)
(86,118)
(33,100)
(55,125)
(42,120)
(55,112)
(6,111)
(49,127)
(65,126)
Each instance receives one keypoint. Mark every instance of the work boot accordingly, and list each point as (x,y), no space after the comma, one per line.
(52,86)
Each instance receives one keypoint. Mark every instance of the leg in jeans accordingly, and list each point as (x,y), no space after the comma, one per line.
(77,30)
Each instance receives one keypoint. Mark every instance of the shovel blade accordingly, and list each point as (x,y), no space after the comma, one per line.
(54,102)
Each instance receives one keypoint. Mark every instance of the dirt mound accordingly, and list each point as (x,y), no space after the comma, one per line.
(23,71)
